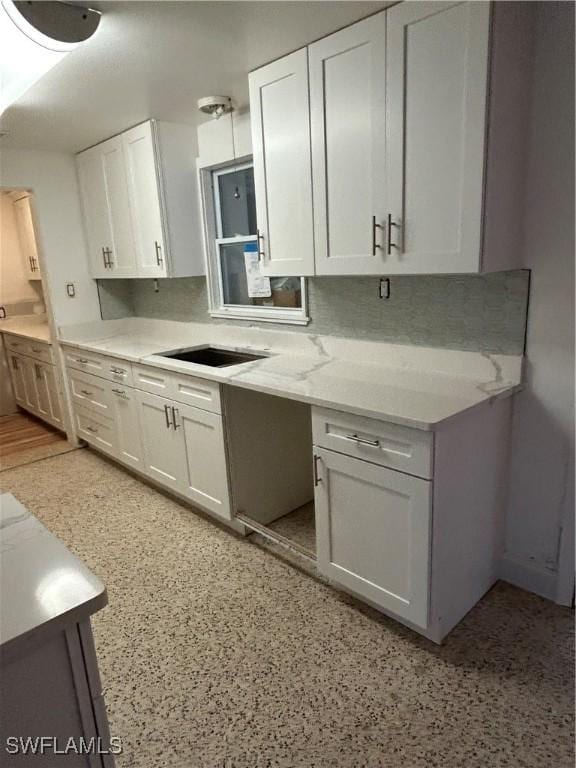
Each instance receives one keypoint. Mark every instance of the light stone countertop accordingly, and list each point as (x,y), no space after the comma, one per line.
(28,326)
(44,588)
(413,386)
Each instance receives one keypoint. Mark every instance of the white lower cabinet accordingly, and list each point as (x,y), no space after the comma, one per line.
(96,430)
(125,415)
(373,533)
(35,388)
(184,450)
(17,374)
(206,477)
(164,458)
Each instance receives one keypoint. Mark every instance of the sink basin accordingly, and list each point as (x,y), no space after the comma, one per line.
(215,357)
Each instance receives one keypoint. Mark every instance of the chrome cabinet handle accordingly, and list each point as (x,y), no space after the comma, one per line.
(107,256)
(364,440)
(317,478)
(261,252)
(389,243)
(38,371)
(15,364)
(81,360)
(38,351)
(119,391)
(117,370)
(91,429)
(174,422)
(167,416)
(375,226)
(86,392)
(159,258)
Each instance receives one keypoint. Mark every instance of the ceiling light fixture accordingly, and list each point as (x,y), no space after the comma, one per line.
(216,106)
(34,37)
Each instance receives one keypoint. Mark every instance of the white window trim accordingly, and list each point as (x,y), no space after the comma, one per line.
(212,239)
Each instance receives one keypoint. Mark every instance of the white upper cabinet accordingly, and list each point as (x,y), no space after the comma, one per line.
(27,237)
(104,192)
(408,175)
(141,206)
(280,114)
(348,111)
(145,200)
(437,65)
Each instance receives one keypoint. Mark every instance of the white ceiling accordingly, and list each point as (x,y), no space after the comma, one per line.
(155,59)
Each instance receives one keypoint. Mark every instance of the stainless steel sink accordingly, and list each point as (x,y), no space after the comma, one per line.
(215,357)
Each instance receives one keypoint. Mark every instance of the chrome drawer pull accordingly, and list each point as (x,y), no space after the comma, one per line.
(121,392)
(364,440)
(86,392)
(38,351)
(117,370)
(91,429)
(81,360)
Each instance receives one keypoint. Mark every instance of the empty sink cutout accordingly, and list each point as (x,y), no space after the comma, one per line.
(212,356)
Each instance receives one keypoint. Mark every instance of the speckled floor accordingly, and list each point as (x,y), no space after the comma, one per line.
(216,653)
(298,526)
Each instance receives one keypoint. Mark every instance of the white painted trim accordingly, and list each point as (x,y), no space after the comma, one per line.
(529,576)
(212,230)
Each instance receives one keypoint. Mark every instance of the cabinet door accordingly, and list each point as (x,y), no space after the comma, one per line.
(97,222)
(125,414)
(44,405)
(163,446)
(29,375)
(373,533)
(206,478)
(437,63)
(27,238)
(17,374)
(53,394)
(104,191)
(280,116)
(122,260)
(347,100)
(145,201)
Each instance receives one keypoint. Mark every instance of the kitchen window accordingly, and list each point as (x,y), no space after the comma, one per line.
(237,289)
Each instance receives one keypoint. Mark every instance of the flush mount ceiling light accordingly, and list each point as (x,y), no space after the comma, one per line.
(215,105)
(34,36)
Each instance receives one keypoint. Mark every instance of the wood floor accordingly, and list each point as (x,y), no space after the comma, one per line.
(20,433)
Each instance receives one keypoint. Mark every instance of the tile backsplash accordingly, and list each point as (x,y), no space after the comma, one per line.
(467,312)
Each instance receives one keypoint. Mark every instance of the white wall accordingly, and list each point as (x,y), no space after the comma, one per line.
(541,495)
(51,176)
(15,288)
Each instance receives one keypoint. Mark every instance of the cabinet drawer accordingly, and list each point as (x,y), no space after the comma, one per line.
(81,360)
(390,445)
(95,430)
(39,350)
(109,368)
(202,393)
(192,390)
(16,344)
(119,371)
(90,392)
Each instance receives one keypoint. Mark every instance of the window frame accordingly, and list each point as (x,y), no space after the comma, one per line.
(210,195)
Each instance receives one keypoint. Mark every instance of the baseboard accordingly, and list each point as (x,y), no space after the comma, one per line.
(529,577)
